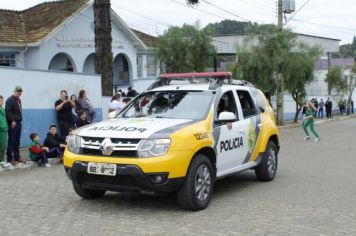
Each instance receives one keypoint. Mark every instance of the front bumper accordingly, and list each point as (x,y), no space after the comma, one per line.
(128,178)
(175,163)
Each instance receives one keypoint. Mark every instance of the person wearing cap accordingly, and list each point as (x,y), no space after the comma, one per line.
(13,108)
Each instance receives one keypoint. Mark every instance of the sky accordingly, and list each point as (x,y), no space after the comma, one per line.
(325,18)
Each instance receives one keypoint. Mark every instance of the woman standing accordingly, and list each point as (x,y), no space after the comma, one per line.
(309,121)
(86,106)
(75,109)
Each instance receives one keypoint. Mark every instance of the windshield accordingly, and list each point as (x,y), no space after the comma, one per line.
(170,104)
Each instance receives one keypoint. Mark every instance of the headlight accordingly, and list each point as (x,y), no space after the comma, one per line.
(153,147)
(74,143)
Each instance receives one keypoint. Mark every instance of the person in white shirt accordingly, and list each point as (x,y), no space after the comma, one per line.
(116,104)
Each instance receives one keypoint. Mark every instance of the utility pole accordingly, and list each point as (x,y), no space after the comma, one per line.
(280,82)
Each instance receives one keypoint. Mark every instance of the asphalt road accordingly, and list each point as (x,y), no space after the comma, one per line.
(314,193)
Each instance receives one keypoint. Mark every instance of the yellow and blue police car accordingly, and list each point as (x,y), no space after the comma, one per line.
(183,134)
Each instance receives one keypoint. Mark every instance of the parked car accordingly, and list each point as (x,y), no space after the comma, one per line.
(181,136)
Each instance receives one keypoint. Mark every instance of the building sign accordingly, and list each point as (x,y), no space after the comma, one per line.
(83,42)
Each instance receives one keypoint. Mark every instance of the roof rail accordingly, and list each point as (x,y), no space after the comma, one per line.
(214,79)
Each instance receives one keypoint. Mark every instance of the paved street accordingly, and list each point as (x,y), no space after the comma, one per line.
(314,193)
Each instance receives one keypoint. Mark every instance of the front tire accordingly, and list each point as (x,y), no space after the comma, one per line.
(267,169)
(198,187)
(88,193)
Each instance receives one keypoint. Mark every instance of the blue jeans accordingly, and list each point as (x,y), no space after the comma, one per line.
(55,152)
(321,113)
(13,146)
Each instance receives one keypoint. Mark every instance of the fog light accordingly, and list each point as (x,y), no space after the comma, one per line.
(158,178)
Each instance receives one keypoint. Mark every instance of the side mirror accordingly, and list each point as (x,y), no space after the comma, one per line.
(112,115)
(262,109)
(227,117)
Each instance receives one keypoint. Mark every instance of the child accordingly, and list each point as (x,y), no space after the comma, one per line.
(54,142)
(38,152)
(82,121)
(3,134)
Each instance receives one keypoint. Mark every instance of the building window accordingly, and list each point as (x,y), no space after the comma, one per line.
(8,59)
(139,66)
(151,66)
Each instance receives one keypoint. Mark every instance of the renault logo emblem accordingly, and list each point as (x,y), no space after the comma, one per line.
(106,147)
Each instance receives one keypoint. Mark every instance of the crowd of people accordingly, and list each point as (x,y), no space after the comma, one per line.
(71,112)
(314,109)
(320,108)
(327,107)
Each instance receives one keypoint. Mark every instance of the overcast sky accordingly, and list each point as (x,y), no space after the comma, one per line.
(327,18)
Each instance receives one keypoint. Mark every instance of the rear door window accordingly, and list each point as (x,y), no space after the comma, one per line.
(247,104)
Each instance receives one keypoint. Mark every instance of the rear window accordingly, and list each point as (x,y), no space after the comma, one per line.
(247,104)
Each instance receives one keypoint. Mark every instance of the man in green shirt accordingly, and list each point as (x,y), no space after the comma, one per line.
(3,134)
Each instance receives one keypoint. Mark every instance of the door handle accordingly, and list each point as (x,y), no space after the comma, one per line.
(260,125)
(241,131)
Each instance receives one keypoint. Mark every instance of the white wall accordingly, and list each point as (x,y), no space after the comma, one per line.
(40,91)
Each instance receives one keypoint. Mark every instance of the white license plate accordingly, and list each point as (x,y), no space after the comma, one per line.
(101,169)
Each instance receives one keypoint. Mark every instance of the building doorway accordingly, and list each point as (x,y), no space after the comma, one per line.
(89,64)
(62,62)
(122,70)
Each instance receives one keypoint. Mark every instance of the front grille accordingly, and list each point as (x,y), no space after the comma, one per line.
(116,153)
(101,180)
(124,141)
(93,140)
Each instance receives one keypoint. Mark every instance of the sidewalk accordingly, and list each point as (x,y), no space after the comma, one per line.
(318,121)
(29,164)
(54,161)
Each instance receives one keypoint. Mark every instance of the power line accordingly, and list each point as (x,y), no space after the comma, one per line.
(133,25)
(338,28)
(138,14)
(222,9)
(295,13)
(260,5)
(197,9)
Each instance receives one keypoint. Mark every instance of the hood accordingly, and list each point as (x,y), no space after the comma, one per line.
(132,128)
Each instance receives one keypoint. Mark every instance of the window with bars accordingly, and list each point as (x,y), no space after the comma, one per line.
(151,66)
(7,59)
(139,66)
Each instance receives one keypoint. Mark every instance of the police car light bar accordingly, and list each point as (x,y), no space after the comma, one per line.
(217,75)
(215,79)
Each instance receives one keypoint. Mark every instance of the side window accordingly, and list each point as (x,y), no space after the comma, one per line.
(247,104)
(227,103)
(260,101)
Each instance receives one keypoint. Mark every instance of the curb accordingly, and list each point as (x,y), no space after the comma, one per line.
(29,165)
(318,122)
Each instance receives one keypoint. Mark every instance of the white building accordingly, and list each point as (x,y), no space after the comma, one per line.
(227,52)
(50,47)
(59,36)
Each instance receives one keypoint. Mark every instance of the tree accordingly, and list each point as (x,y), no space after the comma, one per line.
(346,50)
(298,71)
(351,85)
(264,54)
(343,85)
(269,52)
(185,49)
(334,79)
(103,47)
(229,27)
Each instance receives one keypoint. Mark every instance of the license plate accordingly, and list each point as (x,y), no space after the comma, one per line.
(101,169)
